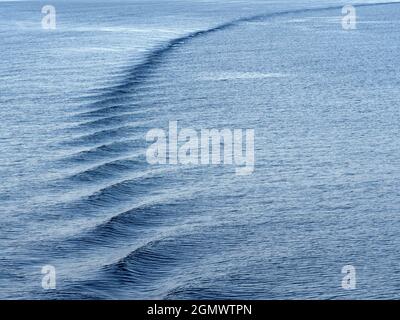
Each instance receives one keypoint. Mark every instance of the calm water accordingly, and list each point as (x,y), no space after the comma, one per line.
(77,192)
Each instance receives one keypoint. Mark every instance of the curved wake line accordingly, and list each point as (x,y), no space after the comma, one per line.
(139,260)
(139,72)
(110,100)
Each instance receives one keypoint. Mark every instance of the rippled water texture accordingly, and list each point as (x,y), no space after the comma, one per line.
(77,192)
